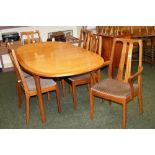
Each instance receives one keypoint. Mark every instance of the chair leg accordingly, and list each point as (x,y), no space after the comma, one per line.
(98,75)
(140,103)
(58,99)
(70,88)
(124,116)
(27,108)
(63,87)
(48,96)
(74,95)
(91,105)
(17,85)
(91,79)
(140,100)
(88,87)
(19,93)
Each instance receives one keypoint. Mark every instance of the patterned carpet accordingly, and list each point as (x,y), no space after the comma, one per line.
(11,117)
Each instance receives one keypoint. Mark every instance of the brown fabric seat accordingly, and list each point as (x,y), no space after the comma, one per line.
(79,77)
(45,83)
(114,88)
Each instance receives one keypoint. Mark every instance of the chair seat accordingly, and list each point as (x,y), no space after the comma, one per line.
(79,77)
(114,88)
(43,82)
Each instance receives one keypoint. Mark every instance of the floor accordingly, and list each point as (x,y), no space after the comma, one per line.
(11,117)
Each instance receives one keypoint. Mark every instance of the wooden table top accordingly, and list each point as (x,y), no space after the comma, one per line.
(57,59)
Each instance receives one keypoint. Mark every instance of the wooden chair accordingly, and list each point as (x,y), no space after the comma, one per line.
(83,38)
(94,44)
(30,37)
(24,73)
(122,89)
(83,43)
(27,38)
(28,85)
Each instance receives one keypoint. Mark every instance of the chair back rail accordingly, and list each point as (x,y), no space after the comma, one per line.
(84,36)
(29,37)
(124,67)
(96,44)
(18,70)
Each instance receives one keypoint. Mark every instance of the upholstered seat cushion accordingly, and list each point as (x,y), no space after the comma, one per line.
(79,77)
(43,81)
(114,87)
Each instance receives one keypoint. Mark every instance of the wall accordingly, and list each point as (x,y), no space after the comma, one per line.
(44,30)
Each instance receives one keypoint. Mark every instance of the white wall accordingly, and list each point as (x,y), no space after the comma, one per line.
(44,30)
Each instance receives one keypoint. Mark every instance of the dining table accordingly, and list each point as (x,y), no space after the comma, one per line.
(54,60)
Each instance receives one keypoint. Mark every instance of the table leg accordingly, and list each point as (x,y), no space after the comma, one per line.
(98,75)
(40,99)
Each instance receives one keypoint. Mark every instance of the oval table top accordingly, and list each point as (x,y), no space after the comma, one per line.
(57,59)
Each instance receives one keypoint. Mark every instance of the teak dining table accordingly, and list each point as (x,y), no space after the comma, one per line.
(55,59)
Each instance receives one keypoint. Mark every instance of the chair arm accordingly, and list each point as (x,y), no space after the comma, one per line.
(106,63)
(132,78)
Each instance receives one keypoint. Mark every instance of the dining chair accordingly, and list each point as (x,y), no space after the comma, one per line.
(28,85)
(94,44)
(30,37)
(83,43)
(25,74)
(100,29)
(83,38)
(122,88)
(27,38)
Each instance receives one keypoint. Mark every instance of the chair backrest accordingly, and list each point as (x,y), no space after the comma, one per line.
(17,67)
(100,29)
(150,30)
(94,43)
(83,37)
(30,37)
(124,68)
